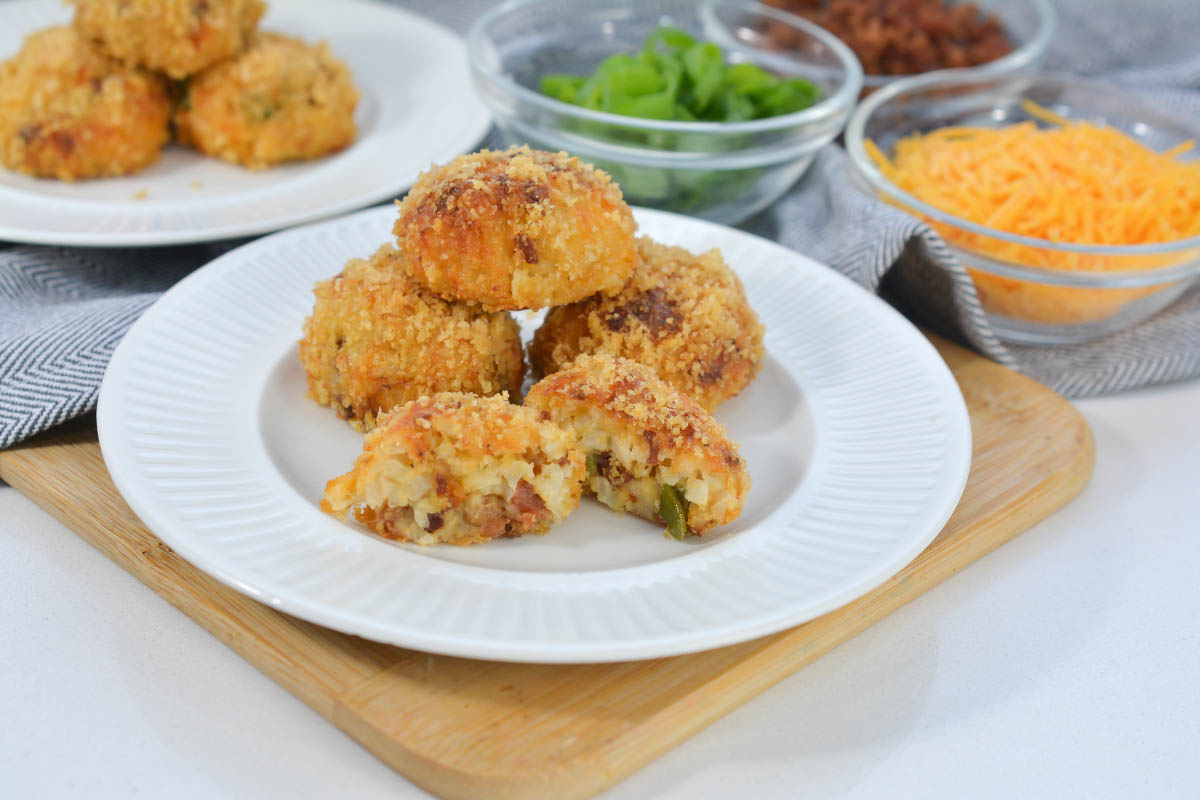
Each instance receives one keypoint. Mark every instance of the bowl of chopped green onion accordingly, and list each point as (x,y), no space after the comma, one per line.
(690,106)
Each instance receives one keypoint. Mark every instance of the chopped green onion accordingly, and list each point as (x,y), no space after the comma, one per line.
(675,77)
(673,509)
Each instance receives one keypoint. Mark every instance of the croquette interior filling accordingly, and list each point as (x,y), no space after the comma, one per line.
(505,496)
(625,474)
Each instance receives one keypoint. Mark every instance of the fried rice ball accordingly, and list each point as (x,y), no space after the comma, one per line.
(685,316)
(68,111)
(650,449)
(375,340)
(178,37)
(516,229)
(460,469)
(280,100)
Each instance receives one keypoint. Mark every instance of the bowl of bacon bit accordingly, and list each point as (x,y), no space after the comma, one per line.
(1073,205)
(895,38)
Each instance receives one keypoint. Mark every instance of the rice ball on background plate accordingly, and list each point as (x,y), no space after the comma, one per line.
(375,340)
(69,111)
(460,469)
(650,450)
(683,315)
(517,229)
(280,100)
(178,37)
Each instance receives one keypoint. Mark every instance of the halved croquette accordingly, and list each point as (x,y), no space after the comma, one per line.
(650,449)
(460,469)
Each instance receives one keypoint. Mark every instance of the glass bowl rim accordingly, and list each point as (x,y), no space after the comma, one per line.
(1018,59)
(827,108)
(866,168)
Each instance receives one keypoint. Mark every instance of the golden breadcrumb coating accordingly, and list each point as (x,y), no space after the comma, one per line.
(685,316)
(460,469)
(178,37)
(375,340)
(641,435)
(517,229)
(280,100)
(68,111)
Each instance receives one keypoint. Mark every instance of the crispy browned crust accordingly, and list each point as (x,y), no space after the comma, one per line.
(464,451)
(517,229)
(280,100)
(375,339)
(683,315)
(178,37)
(68,111)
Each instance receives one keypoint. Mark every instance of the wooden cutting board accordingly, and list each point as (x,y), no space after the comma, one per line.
(464,728)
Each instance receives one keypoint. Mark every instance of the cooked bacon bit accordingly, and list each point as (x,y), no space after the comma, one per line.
(435,523)
(388,521)
(611,471)
(528,251)
(902,37)
(651,439)
(489,517)
(526,500)
(64,141)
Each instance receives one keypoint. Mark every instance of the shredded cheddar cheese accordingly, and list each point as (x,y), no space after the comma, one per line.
(1073,183)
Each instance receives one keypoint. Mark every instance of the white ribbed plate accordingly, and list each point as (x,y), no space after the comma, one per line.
(417,108)
(855,434)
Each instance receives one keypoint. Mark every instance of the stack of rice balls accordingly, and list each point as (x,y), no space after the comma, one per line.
(415,346)
(101,97)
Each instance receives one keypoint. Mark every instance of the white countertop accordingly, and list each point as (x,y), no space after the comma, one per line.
(1066,664)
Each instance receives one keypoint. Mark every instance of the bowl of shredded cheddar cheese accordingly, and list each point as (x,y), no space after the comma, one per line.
(1073,205)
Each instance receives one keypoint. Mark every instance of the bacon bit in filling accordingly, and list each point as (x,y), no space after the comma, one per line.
(610,470)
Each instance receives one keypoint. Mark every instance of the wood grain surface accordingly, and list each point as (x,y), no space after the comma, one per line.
(465,728)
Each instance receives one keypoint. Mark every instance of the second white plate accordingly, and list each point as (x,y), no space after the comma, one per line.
(855,434)
(418,107)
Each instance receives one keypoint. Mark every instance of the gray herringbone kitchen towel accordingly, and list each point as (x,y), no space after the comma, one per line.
(62,311)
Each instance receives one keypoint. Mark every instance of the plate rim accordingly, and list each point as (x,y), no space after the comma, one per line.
(472,134)
(113,446)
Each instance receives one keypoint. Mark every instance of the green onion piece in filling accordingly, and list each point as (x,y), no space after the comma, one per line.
(673,509)
(591,465)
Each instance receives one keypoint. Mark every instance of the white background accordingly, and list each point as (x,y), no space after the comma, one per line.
(1065,664)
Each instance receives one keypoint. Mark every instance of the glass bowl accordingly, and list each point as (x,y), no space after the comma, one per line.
(1029,25)
(724,172)
(1106,288)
